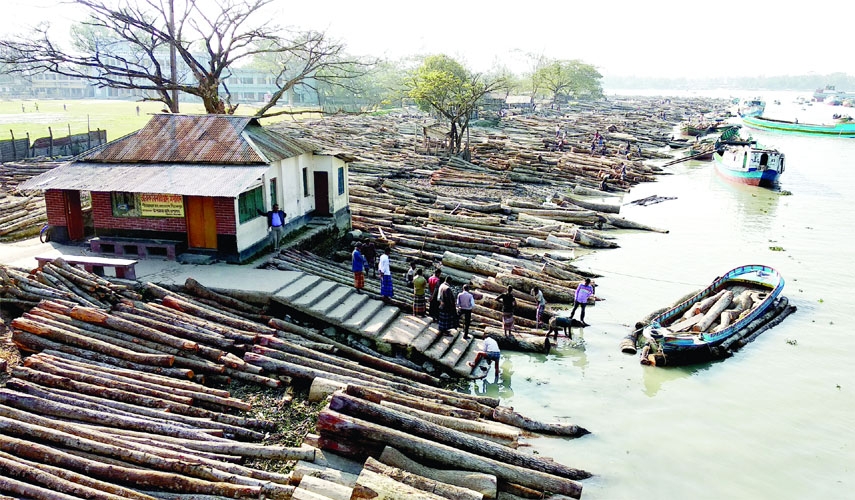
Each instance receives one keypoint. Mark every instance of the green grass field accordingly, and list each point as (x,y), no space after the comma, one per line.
(118,118)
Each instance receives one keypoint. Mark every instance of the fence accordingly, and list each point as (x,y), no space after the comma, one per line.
(70,145)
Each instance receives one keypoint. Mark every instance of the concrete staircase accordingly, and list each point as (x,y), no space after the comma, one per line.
(360,314)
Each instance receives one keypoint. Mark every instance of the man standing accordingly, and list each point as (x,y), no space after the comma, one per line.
(386,291)
(419,286)
(581,299)
(358,268)
(275,224)
(370,253)
(465,304)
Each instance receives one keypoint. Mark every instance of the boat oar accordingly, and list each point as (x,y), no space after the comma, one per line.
(685,158)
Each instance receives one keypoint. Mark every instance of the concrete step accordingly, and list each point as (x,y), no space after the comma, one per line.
(457,351)
(426,338)
(348,307)
(315,294)
(362,315)
(332,299)
(462,365)
(376,326)
(405,329)
(442,344)
(297,288)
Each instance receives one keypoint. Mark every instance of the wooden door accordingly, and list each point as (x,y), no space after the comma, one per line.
(201,222)
(322,193)
(73,215)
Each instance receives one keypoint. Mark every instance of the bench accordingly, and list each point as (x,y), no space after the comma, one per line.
(139,247)
(124,267)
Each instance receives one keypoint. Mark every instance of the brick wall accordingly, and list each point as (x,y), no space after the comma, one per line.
(224,208)
(55,202)
(102,217)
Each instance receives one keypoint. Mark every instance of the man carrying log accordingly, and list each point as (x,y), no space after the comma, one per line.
(358,268)
(490,351)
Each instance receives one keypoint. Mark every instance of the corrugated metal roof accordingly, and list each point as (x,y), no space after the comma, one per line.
(185,179)
(215,139)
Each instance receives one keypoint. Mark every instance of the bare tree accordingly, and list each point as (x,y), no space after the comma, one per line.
(125,44)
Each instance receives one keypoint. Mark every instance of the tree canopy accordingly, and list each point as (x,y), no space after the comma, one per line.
(126,44)
(444,86)
(568,79)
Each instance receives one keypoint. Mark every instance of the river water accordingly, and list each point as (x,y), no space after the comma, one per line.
(777,420)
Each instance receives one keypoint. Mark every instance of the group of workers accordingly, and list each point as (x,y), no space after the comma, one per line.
(435,296)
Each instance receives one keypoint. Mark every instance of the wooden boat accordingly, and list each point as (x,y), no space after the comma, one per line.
(835,130)
(752,107)
(701,152)
(689,331)
(695,129)
(748,163)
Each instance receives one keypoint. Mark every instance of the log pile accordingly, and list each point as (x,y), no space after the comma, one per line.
(517,197)
(114,401)
(22,215)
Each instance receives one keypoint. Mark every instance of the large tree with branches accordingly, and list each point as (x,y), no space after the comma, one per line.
(126,44)
(444,86)
(568,79)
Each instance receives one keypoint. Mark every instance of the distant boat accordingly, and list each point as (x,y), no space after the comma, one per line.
(838,129)
(753,107)
(829,91)
(691,331)
(747,163)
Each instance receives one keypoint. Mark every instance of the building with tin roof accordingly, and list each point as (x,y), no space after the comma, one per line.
(198,180)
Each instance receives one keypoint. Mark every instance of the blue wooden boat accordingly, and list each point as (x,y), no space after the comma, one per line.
(846,129)
(690,331)
(748,163)
(753,107)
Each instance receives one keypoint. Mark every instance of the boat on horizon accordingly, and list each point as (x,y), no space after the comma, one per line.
(846,129)
(830,91)
(691,331)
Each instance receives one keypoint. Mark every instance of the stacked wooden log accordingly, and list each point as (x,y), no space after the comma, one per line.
(476,453)
(14,173)
(22,215)
(110,403)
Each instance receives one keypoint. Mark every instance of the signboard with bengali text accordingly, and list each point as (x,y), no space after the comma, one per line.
(161,205)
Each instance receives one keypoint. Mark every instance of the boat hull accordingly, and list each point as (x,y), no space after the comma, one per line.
(760,178)
(686,348)
(837,130)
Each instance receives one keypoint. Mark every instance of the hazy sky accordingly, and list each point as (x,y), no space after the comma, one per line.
(667,38)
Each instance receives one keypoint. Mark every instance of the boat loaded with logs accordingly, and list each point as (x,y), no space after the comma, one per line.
(715,321)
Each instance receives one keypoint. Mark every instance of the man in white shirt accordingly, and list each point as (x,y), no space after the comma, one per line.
(490,351)
(383,267)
